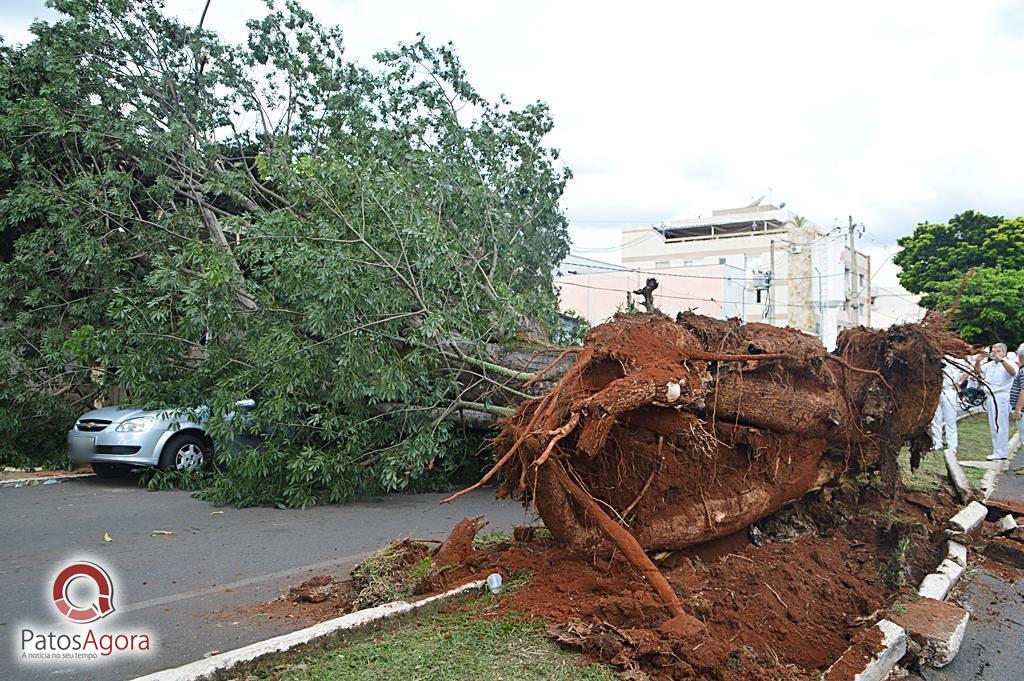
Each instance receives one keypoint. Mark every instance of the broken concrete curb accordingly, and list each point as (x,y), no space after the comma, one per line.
(936,627)
(952,570)
(940,637)
(886,654)
(956,474)
(969,517)
(936,586)
(956,552)
(361,619)
(1006,524)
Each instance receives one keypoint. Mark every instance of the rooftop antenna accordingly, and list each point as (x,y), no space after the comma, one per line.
(756,203)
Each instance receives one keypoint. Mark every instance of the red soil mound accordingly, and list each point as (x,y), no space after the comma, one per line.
(779,611)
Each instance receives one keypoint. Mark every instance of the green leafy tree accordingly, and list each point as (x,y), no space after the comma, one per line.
(935,259)
(201,222)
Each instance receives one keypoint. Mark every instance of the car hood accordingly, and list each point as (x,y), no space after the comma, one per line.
(114,414)
(118,414)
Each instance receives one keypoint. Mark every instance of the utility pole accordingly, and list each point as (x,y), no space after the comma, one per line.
(868,296)
(854,298)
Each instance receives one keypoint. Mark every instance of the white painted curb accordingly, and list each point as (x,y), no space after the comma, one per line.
(892,648)
(1006,524)
(938,584)
(895,647)
(969,517)
(952,570)
(947,650)
(201,669)
(935,586)
(956,552)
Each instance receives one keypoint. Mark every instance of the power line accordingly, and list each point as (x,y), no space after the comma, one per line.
(607,249)
(613,222)
(665,295)
(615,290)
(697,276)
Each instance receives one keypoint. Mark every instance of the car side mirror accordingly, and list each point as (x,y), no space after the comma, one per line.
(245,404)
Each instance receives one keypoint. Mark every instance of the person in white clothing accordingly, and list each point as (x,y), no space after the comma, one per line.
(1017,397)
(998,374)
(945,414)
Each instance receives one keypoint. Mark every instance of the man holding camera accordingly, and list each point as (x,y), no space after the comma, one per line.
(998,374)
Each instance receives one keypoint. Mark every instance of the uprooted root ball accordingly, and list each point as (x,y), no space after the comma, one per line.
(688,430)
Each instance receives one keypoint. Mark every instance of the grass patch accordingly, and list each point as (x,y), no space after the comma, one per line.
(474,643)
(974,445)
(975,442)
(485,541)
(931,474)
(488,540)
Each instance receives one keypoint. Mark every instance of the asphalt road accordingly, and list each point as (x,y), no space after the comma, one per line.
(172,586)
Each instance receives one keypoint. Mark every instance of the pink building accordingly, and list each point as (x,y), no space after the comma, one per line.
(596,291)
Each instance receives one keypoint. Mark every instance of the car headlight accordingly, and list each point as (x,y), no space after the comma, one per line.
(136,425)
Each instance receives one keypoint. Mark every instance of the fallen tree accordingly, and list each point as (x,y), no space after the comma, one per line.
(680,432)
(354,246)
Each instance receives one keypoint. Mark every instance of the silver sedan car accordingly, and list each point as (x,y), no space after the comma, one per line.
(116,439)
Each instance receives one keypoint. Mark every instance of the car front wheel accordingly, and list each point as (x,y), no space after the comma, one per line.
(185,452)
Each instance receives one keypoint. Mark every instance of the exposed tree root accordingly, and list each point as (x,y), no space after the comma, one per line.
(697,427)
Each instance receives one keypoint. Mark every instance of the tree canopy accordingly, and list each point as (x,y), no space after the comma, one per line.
(201,222)
(936,258)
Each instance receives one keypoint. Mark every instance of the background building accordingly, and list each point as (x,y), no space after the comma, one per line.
(596,290)
(757,262)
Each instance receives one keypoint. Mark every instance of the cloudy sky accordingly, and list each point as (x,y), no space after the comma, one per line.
(894,112)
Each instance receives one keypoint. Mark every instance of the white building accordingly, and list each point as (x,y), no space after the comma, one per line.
(893,305)
(793,274)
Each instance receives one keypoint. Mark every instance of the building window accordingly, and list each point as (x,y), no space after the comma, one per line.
(862,280)
(690,263)
(661,263)
(721,261)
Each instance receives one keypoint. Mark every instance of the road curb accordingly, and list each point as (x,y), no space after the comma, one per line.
(940,583)
(215,665)
(936,585)
(36,480)
(880,664)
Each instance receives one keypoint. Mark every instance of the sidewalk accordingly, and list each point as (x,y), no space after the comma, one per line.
(19,477)
(992,649)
